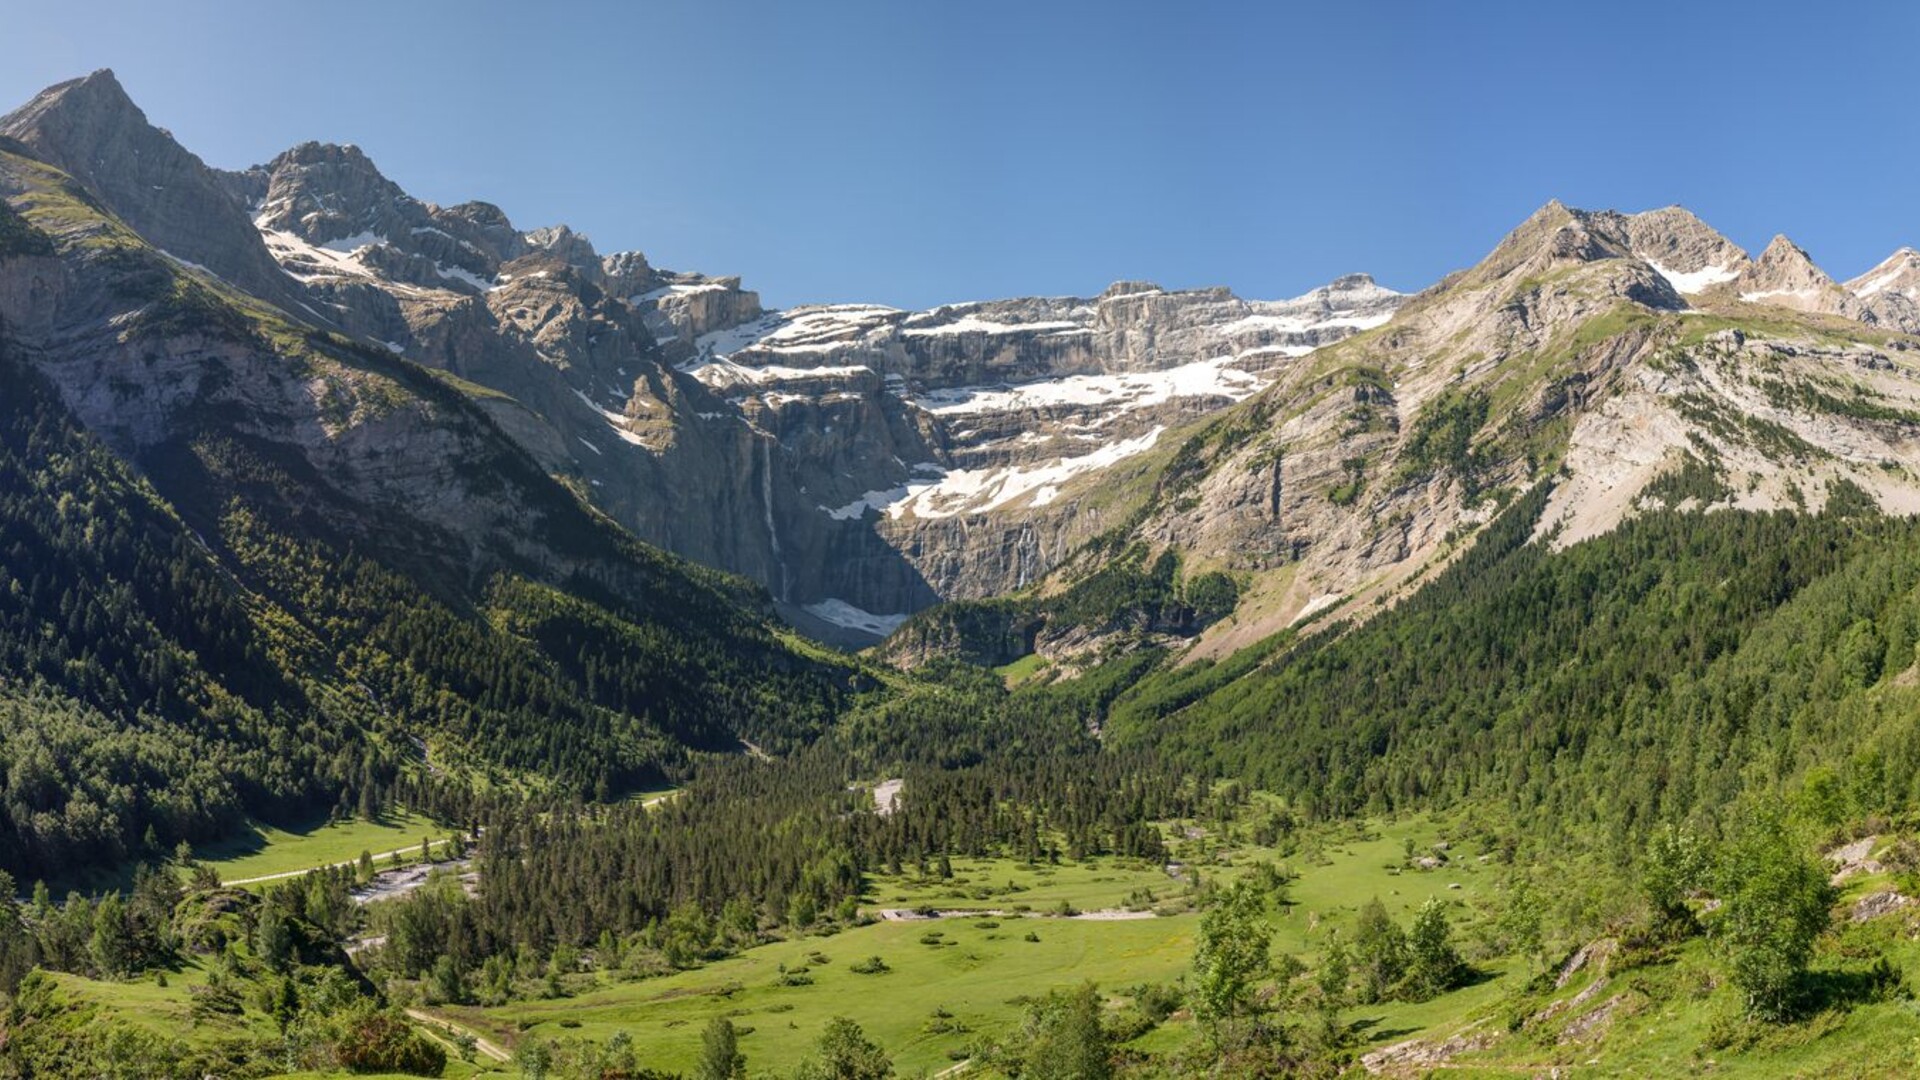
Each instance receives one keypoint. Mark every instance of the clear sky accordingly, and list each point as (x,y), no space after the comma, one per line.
(912,152)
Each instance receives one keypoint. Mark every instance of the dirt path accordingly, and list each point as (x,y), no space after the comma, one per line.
(901,914)
(329,866)
(482,1043)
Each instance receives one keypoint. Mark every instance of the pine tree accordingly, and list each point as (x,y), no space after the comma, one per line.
(1230,958)
(720,1056)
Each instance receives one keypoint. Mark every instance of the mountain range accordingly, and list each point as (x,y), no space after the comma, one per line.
(941,477)
(865,463)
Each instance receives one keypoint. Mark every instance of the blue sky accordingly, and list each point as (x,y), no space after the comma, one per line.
(913,152)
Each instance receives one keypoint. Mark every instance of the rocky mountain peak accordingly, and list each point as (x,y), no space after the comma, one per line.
(1128,288)
(1551,237)
(91,129)
(96,99)
(1785,276)
(324,192)
(1889,294)
(1685,250)
(1897,273)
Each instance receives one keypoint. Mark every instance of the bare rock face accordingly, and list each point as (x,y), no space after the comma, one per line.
(1682,248)
(1783,276)
(1889,294)
(89,129)
(992,412)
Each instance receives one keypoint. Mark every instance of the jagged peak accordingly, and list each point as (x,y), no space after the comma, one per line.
(1898,273)
(313,152)
(1783,257)
(1782,248)
(1129,288)
(1554,235)
(93,101)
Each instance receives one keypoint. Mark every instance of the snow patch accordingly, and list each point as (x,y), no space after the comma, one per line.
(1798,294)
(1688,282)
(615,421)
(1317,605)
(674,290)
(801,329)
(978,491)
(974,324)
(1132,390)
(722,373)
(840,613)
(456,273)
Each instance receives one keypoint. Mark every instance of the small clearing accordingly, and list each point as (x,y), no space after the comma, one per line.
(886,794)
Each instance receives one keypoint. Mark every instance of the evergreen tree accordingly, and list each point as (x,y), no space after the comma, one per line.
(111,943)
(720,1056)
(1229,959)
(844,1053)
(1064,1038)
(273,937)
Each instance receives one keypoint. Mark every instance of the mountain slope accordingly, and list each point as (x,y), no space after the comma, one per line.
(1617,352)
(313,571)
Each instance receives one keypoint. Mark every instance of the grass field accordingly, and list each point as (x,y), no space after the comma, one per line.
(976,973)
(982,973)
(948,982)
(264,850)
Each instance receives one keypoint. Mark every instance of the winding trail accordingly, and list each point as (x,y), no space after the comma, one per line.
(480,1042)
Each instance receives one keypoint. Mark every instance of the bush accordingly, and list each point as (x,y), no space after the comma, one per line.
(1776,900)
(385,1043)
(872,965)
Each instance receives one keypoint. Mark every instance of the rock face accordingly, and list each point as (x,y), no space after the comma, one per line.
(189,379)
(952,435)
(91,130)
(1784,276)
(1889,294)
(861,461)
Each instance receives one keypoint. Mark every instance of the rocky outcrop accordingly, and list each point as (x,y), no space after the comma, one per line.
(1889,294)
(1784,276)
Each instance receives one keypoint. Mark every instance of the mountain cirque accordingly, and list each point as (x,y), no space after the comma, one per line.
(861,462)
(864,462)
